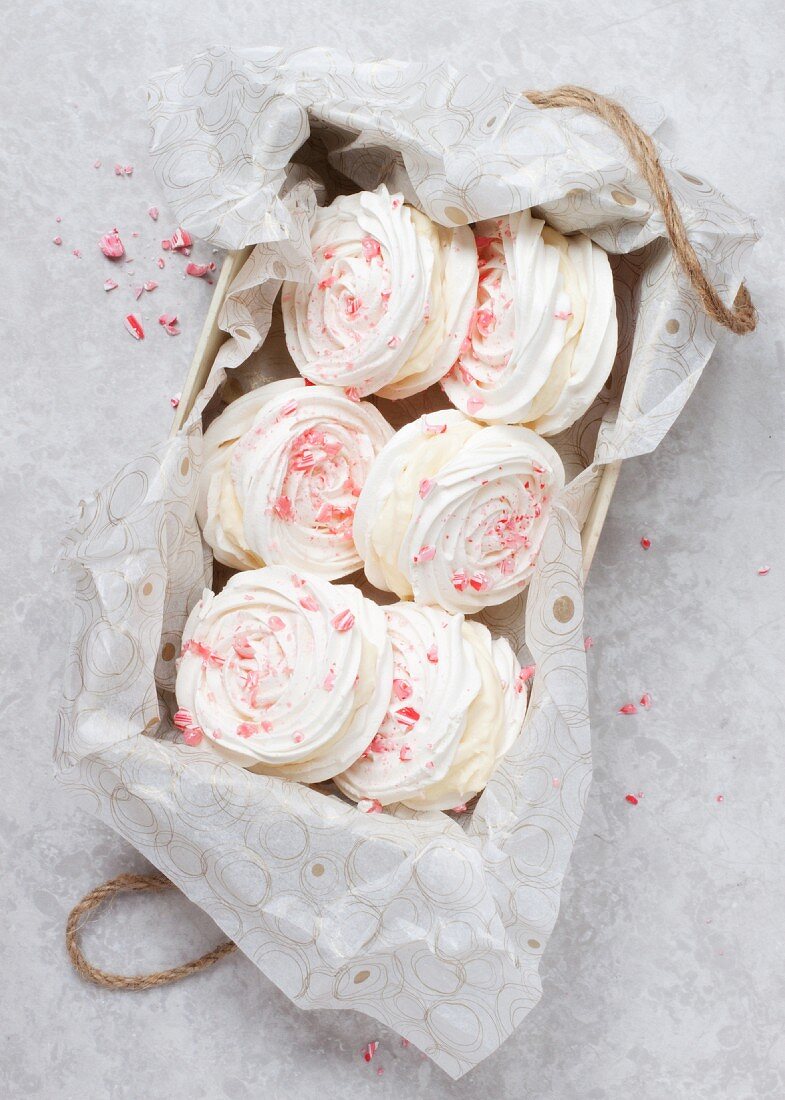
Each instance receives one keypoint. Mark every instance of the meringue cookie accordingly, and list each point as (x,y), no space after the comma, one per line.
(390,300)
(285,674)
(453,513)
(458,703)
(283,468)
(544,333)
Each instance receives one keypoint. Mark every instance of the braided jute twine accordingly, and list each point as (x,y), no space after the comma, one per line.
(741,318)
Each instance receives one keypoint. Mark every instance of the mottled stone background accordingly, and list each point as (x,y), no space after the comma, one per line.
(665,974)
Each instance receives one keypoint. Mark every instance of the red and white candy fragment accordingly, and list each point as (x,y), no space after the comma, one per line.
(111,245)
(180,241)
(153,212)
(369,1050)
(628,708)
(169,322)
(120,169)
(199,270)
(134,326)
(110,284)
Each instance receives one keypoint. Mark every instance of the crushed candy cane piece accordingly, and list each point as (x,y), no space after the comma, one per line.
(628,708)
(461,809)
(111,245)
(137,292)
(432,655)
(370,806)
(174,400)
(425,487)
(408,716)
(425,553)
(161,262)
(343,621)
(150,285)
(633,801)
(480,581)
(352,393)
(193,735)
(309,603)
(369,1051)
(406,753)
(153,212)
(645,700)
(402,689)
(183,719)
(246,730)
(432,429)
(764,570)
(134,326)
(76,252)
(169,322)
(720,798)
(199,270)
(275,622)
(645,543)
(460,580)
(588,642)
(96,164)
(110,284)
(57,240)
(178,242)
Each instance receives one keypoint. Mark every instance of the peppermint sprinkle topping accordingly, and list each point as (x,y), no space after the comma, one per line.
(402,689)
(407,716)
(343,621)
(628,708)
(370,806)
(426,553)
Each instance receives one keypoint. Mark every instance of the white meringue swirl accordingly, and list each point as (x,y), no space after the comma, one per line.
(390,300)
(543,336)
(457,705)
(453,513)
(283,468)
(285,674)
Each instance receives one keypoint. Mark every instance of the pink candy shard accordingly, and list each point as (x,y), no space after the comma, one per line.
(352,393)
(343,621)
(406,753)
(425,487)
(161,262)
(645,543)
(178,242)
(370,806)
(433,655)
(242,647)
(150,285)
(289,409)
(425,553)
(432,429)
(111,245)
(407,716)
(298,738)
(174,400)
(309,603)
(110,284)
(183,719)
(633,801)
(193,735)
(461,809)
(137,292)
(522,678)
(402,689)
(325,284)
(275,622)
(199,270)
(134,326)
(247,729)
(371,248)
(645,700)
(369,1050)
(329,680)
(153,212)
(283,509)
(628,708)
(169,322)
(460,580)
(479,581)
(394,342)
(588,642)
(57,240)
(474,404)
(764,570)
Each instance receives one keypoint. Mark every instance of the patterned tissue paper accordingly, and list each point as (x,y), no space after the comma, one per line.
(434,924)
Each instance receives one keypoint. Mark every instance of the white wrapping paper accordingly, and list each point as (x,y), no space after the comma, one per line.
(431,924)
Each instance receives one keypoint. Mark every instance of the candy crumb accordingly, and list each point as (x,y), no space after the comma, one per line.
(57,240)
(628,708)
(174,401)
(134,326)
(764,570)
(369,1050)
(633,801)
(645,700)
(369,806)
(110,284)
(645,543)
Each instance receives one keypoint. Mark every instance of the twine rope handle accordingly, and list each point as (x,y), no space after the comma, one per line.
(741,318)
(104,893)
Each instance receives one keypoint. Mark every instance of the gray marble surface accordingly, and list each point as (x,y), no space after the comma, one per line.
(664,977)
